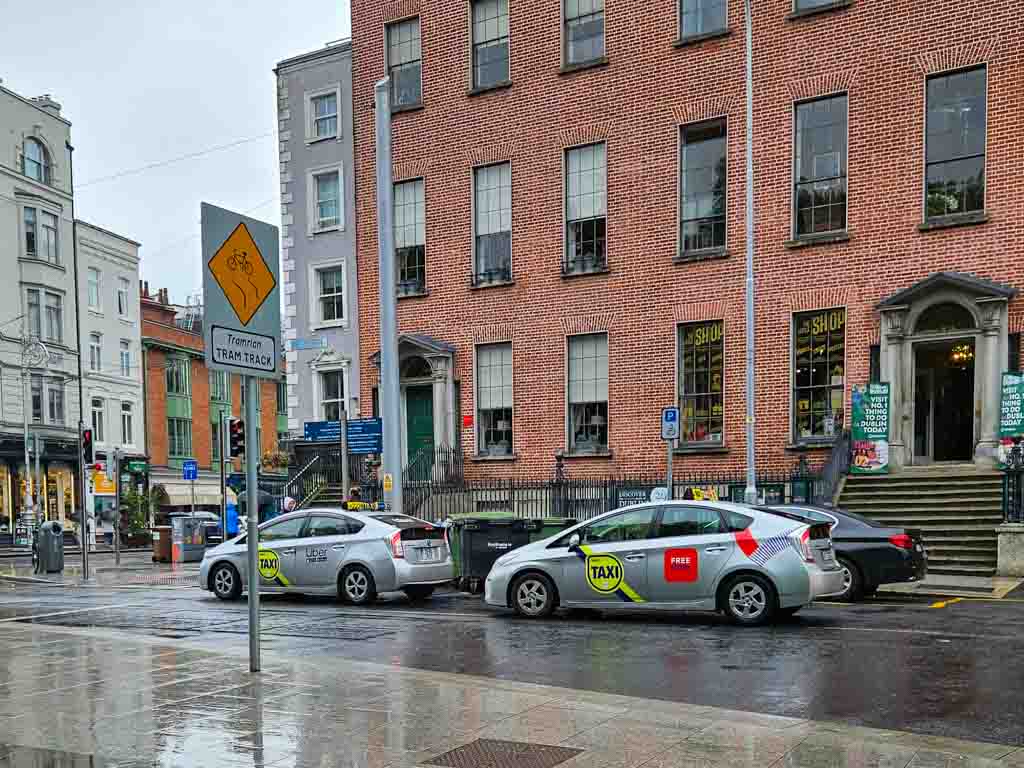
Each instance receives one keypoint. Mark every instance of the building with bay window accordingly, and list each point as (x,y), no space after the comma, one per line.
(314,109)
(569,228)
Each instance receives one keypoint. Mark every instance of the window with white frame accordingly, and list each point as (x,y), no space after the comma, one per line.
(35,161)
(220,387)
(127,432)
(588,393)
(330,291)
(404,63)
(99,411)
(326,198)
(54,318)
(123,289)
(55,401)
(126,358)
(177,376)
(494,399)
(36,386)
(492,208)
(35,313)
(490,43)
(48,246)
(47,398)
(93,287)
(179,438)
(584,31)
(410,234)
(95,352)
(585,209)
(332,394)
(323,115)
(31,232)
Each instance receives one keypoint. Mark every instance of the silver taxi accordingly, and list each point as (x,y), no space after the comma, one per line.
(352,554)
(673,555)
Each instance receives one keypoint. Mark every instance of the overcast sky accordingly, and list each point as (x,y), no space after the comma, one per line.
(145,82)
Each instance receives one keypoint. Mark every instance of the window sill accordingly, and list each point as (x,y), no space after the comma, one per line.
(588,455)
(818,444)
(808,12)
(317,139)
(693,450)
(482,89)
(326,326)
(43,262)
(585,273)
(95,312)
(568,69)
(827,238)
(325,230)
(688,40)
(953,220)
(702,254)
(490,284)
(126,320)
(407,108)
(488,457)
(413,294)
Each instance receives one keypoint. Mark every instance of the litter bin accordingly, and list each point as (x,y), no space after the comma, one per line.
(161,544)
(50,548)
(551,526)
(188,539)
(482,541)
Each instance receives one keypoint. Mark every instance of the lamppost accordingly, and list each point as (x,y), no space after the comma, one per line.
(750,493)
(34,354)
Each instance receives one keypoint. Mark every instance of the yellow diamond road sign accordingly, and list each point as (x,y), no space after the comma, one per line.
(240,271)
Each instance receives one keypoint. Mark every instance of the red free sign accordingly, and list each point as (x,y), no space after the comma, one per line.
(681,565)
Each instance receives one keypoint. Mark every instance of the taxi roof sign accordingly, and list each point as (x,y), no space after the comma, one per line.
(241,295)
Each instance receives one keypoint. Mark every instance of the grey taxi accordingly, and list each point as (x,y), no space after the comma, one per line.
(352,554)
(673,555)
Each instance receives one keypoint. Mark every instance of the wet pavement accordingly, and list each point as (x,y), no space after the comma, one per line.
(73,697)
(949,670)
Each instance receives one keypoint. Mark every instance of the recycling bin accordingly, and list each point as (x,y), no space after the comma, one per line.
(50,548)
(188,539)
(161,543)
(484,540)
(551,526)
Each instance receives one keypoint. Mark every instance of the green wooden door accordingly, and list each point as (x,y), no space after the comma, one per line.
(419,424)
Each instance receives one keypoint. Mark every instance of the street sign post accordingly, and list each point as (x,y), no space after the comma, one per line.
(241,310)
(669,433)
(190,472)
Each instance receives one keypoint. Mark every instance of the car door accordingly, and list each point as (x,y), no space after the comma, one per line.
(691,546)
(608,568)
(323,549)
(279,542)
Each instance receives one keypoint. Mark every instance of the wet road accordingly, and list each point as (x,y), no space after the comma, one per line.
(953,670)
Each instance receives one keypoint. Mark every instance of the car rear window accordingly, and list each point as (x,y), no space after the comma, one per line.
(402,521)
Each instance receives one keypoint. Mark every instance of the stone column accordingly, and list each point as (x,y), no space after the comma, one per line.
(989,367)
(439,369)
(894,347)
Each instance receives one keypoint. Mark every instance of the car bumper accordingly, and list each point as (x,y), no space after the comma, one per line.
(204,574)
(496,589)
(824,583)
(407,574)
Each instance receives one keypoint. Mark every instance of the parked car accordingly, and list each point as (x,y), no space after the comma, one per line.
(870,554)
(353,555)
(675,555)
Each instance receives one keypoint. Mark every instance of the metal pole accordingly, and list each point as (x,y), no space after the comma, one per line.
(83,517)
(668,443)
(37,480)
(750,493)
(116,458)
(389,393)
(346,481)
(26,502)
(222,445)
(252,492)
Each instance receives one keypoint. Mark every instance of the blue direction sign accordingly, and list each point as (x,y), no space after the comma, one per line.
(190,469)
(364,435)
(302,344)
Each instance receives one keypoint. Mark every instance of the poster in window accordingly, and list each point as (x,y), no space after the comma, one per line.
(870,429)
(1011,415)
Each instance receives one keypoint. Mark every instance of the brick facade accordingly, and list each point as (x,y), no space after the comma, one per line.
(878,54)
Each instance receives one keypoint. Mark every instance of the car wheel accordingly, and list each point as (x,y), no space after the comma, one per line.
(853,585)
(533,596)
(418,592)
(357,586)
(225,582)
(750,600)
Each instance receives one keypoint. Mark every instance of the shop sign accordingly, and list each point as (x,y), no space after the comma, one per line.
(137,467)
(102,485)
(1011,414)
(870,429)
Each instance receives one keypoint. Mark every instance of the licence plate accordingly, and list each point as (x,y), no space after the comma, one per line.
(828,556)
(430,555)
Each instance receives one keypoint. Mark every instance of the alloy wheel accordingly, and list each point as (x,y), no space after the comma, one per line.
(847,580)
(356,585)
(532,596)
(223,581)
(747,600)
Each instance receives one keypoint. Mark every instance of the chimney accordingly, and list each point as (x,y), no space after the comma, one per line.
(46,102)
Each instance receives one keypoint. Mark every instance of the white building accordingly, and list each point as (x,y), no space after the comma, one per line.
(108,295)
(37,302)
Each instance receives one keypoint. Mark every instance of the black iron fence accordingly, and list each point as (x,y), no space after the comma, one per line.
(1013,486)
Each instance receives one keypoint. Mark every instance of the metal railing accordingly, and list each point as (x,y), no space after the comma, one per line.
(1013,486)
(442,464)
(834,470)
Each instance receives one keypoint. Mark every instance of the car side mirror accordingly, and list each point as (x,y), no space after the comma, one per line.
(574,540)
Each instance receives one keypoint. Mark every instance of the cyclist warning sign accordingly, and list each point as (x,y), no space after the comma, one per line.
(240,271)
(241,296)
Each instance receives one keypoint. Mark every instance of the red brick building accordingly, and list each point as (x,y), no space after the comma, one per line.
(569,221)
(185,401)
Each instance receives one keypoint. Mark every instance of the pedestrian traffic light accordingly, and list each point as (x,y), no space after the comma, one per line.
(88,456)
(237,429)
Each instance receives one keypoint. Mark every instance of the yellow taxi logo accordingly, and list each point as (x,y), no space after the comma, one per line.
(269,564)
(604,573)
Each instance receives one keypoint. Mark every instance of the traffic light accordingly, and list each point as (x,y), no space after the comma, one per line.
(88,455)
(237,430)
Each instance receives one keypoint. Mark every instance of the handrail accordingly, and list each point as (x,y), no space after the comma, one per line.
(835,469)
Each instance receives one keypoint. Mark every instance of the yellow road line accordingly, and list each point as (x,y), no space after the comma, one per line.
(944,603)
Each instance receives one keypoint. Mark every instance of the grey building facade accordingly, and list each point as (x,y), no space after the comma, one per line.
(318,270)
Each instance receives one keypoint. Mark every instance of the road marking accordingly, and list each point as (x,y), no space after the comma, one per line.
(944,603)
(68,613)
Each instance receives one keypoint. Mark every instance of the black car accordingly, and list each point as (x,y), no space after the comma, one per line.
(870,553)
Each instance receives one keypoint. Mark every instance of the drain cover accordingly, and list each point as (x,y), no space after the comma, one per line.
(491,753)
